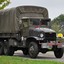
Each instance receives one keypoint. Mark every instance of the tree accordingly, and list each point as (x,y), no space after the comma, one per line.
(4,3)
(58,24)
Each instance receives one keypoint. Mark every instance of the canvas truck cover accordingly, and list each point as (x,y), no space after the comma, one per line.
(9,18)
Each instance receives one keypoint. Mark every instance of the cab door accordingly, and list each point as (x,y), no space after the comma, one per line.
(25,23)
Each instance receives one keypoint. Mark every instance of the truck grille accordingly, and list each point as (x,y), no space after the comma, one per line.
(50,36)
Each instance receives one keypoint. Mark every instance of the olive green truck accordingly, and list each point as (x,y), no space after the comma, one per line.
(27,28)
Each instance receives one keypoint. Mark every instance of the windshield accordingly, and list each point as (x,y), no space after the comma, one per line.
(35,21)
(41,22)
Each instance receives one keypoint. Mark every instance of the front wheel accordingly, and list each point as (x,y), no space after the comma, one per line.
(33,50)
(58,52)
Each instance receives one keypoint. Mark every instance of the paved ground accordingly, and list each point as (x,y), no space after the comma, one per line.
(47,56)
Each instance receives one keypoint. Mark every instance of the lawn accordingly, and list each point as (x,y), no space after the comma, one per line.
(20,60)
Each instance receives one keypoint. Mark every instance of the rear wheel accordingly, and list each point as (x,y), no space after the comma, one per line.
(8,50)
(58,52)
(33,49)
(1,48)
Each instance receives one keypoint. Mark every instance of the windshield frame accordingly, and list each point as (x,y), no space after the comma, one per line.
(46,20)
(31,25)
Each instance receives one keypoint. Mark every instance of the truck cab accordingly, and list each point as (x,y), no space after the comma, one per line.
(33,23)
(39,37)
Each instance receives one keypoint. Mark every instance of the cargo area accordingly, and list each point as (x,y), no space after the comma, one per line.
(10,18)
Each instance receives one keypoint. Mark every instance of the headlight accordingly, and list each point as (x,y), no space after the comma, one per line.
(41,35)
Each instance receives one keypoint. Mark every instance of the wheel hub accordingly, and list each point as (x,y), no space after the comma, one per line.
(32,49)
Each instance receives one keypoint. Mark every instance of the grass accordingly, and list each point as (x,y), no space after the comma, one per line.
(20,60)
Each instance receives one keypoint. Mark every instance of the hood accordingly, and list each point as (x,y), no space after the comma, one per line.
(44,29)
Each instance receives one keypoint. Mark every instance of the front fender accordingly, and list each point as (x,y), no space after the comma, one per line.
(37,38)
(32,38)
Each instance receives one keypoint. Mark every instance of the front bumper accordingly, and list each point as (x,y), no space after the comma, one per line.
(51,44)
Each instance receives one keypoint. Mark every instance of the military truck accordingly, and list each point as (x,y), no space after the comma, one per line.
(27,28)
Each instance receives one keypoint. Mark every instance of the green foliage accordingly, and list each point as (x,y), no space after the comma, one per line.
(4,3)
(56,23)
(19,60)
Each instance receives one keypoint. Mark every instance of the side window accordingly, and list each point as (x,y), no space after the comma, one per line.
(25,23)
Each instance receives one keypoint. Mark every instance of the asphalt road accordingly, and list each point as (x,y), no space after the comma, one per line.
(47,56)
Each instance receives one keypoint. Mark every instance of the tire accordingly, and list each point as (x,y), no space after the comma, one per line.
(1,48)
(58,53)
(8,50)
(33,50)
(25,51)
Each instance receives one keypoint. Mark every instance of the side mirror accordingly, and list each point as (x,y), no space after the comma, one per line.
(49,20)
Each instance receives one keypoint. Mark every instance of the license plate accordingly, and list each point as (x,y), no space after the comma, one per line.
(44,45)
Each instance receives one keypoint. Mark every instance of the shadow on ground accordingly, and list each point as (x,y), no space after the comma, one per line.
(50,55)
